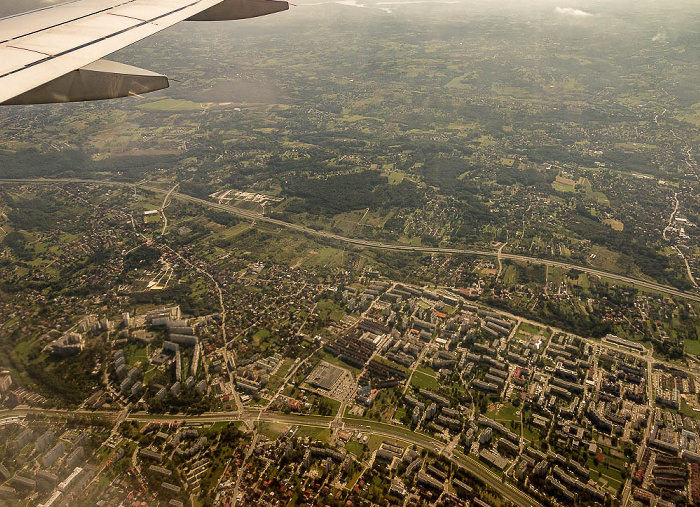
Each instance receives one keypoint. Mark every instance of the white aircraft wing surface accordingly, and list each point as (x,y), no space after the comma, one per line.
(55,54)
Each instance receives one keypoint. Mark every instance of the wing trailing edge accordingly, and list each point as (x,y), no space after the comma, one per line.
(240,9)
(56,54)
(96,81)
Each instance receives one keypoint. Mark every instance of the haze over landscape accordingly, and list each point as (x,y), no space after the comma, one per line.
(366,253)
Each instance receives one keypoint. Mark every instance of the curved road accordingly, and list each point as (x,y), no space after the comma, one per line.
(493,480)
(250,215)
(490,478)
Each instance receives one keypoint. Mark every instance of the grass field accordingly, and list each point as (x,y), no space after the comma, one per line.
(355,448)
(692,347)
(615,224)
(325,256)
(510,275)
(528,329)
(277,379)
(688,411)
(592,194)
(562,187)
(423,381)
(531,435)
(329,310)
(375,441)
(272,430)
(259,336)
(400,413)
(322,434)
(171,105)
(607,468)
(136,354)
(427,370)
(396,177)
(506,413)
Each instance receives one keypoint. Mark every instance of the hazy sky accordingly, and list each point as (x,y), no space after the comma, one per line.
(673,11)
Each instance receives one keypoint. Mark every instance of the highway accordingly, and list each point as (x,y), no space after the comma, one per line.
(250,215)
(394,433)
(354,424)
(407,436)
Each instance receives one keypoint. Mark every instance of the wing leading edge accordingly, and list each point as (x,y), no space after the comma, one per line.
(56,54)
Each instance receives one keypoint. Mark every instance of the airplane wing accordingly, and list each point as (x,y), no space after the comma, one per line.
(55,54)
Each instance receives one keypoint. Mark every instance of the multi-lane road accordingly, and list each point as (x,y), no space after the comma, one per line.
(257,217)
(394,433)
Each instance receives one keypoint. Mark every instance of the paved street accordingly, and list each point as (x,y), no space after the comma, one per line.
(250,215)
